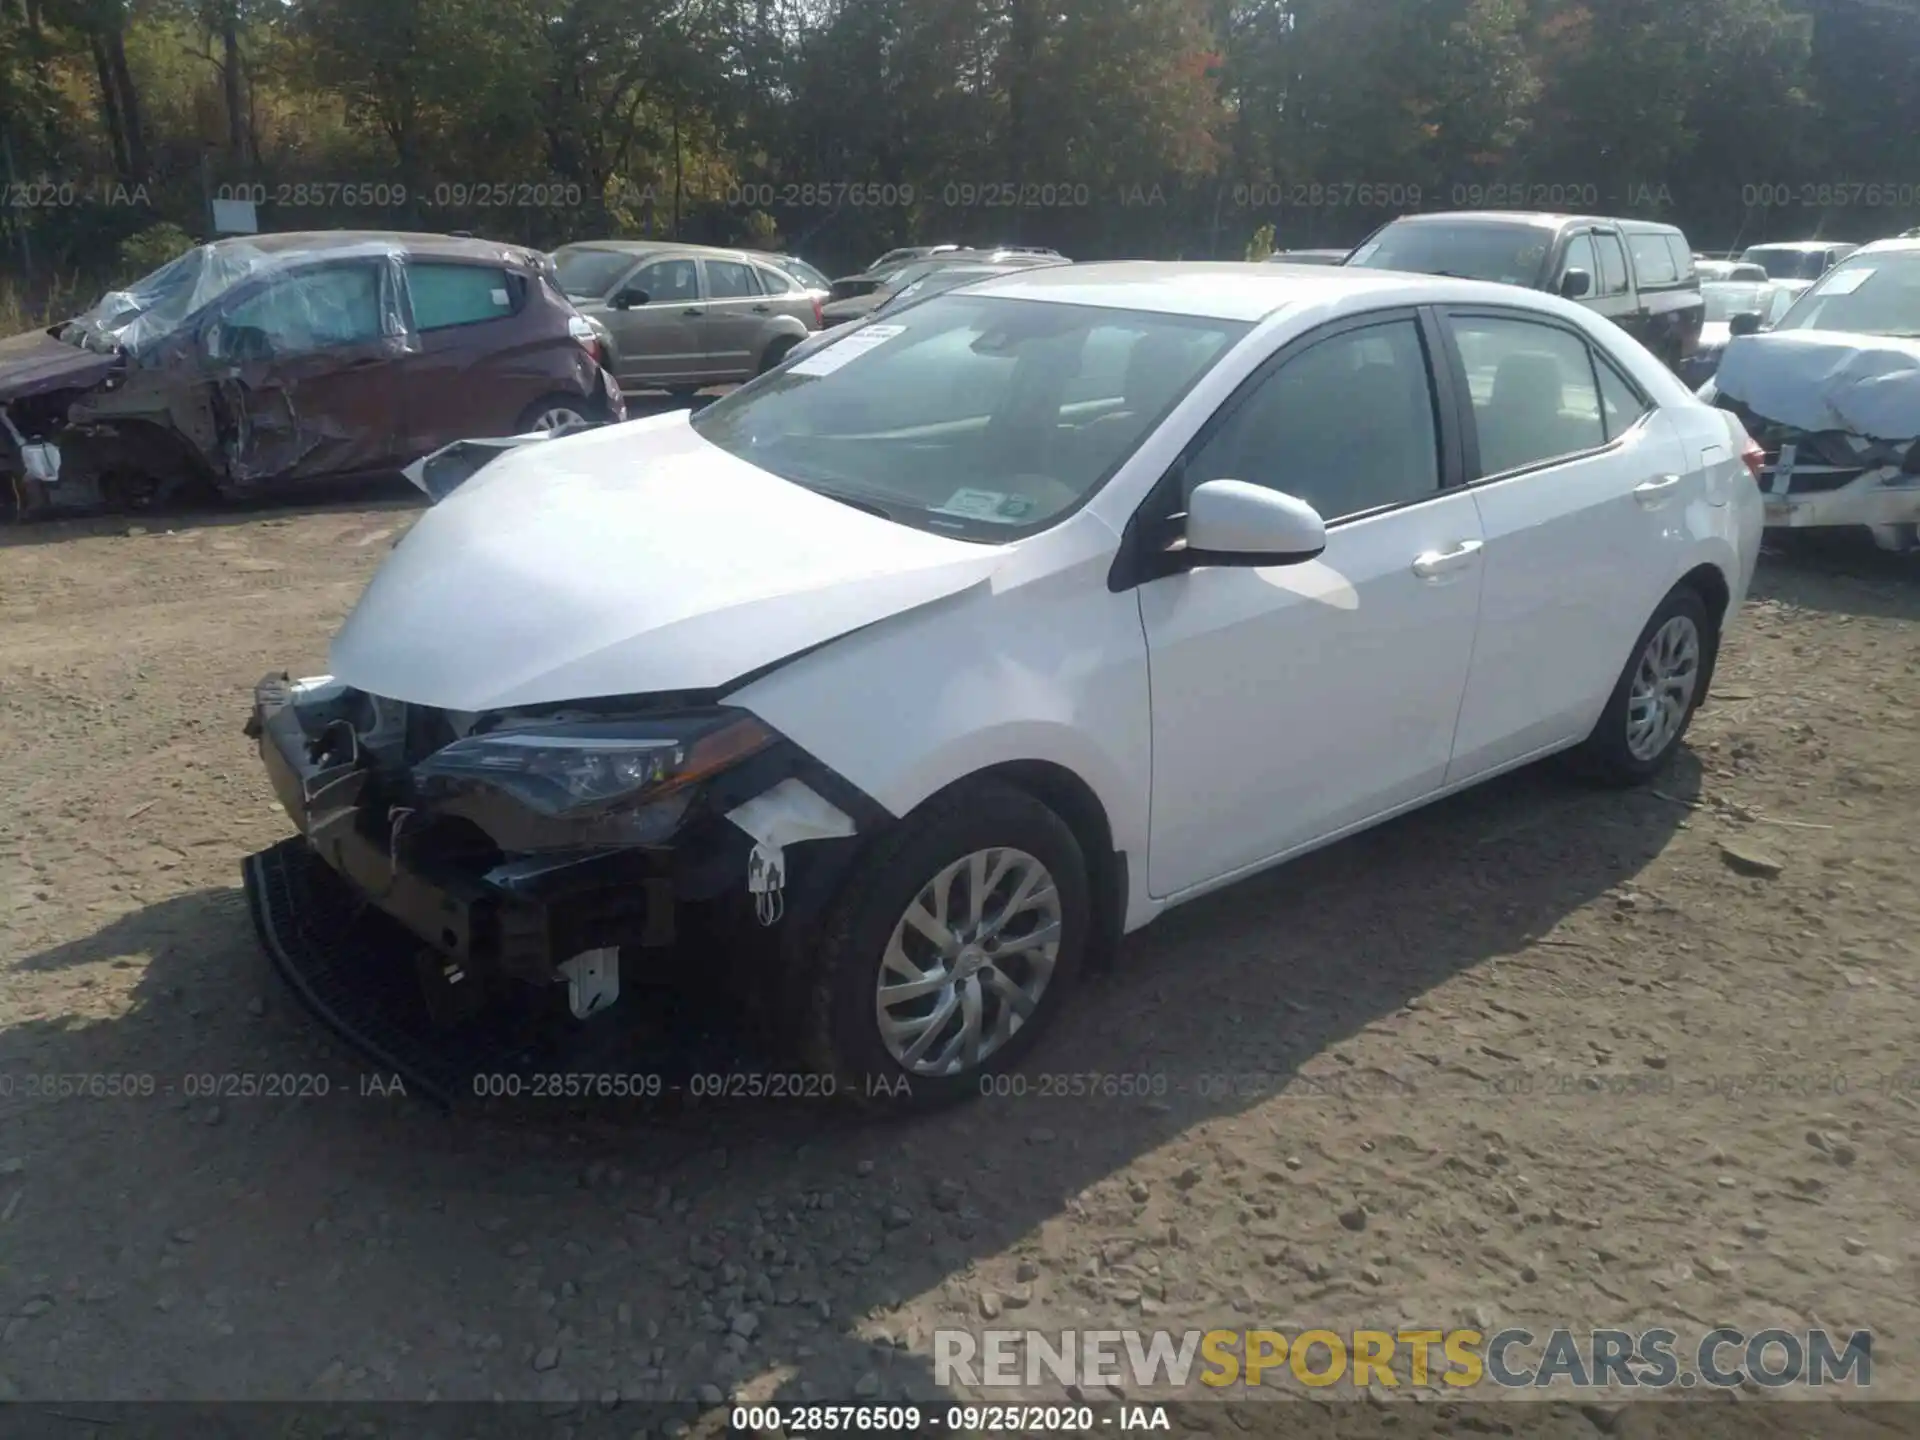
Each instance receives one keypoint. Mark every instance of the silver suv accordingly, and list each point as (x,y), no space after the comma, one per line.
(681,317)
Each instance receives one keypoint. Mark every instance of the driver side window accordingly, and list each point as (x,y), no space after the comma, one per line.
(1346,425)
(315,310)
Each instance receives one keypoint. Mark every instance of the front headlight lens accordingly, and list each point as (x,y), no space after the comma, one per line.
(586,766)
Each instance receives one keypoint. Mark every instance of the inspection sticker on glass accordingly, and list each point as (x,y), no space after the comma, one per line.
(985,505)
(848,347)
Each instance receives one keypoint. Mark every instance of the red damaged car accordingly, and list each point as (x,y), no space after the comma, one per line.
(256,364)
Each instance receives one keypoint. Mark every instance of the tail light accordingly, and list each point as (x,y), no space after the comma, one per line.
(819,315)
(582,330)
(1755,458)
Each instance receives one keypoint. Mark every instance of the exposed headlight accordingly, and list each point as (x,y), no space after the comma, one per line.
(601,782)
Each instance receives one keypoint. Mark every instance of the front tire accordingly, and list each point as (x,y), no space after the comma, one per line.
(952,948)
(1656,696)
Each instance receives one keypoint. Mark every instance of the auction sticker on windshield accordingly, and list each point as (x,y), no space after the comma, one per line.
(1847,281)
(850,347)
(985,505)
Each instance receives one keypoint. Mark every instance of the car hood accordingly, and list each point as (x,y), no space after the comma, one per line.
(36,362)
(632,559)
(1818,380)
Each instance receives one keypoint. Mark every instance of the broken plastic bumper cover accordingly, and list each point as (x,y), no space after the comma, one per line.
(534,853)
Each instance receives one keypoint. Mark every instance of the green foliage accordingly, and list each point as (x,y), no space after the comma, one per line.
(151,248)
(842,127)
(1261,245)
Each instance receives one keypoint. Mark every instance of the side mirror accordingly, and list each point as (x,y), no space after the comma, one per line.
(1230,522)
(627,299)
(1575,283)
(1746,323)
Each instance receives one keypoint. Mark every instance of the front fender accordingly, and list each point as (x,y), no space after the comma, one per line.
(1051,668)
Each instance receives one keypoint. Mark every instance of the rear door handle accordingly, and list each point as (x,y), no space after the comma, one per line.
(761,309)
(366,360)
(693,310)
(1436,563)
(1656,492)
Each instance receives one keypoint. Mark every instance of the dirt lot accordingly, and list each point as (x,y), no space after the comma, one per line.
(1533,1057)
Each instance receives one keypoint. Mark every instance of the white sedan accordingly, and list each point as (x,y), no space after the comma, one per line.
(975,639)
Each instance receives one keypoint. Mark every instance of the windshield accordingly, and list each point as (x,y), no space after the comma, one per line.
(1783,262)
(1864,295)
(589,274)
(980,417)
(806,274)
(155,304)
(1726,299)
(1510,254)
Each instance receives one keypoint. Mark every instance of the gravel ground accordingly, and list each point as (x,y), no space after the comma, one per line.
(1534,1056)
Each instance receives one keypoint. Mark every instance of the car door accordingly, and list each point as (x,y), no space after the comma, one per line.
(474,368)
(1613,293)
(304,373)
(736,314)
(658,343)
(1293,702)
(1581,486)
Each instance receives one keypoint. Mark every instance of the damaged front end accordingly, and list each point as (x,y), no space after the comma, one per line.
(515,861)
(1838,420)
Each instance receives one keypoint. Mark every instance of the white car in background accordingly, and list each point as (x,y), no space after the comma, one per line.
(975,639)
(1831,391)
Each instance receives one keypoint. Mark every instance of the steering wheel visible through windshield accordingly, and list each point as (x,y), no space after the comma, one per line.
(987,418)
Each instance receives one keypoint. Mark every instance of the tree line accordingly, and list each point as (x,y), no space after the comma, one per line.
(836,128)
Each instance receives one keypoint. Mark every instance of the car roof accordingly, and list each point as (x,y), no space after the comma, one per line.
(1539,219)
(1899,244)
(1244,290)
(289,244)
(640,248)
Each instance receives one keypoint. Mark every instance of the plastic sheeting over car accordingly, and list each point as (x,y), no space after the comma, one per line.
(156,305)
(1819,381)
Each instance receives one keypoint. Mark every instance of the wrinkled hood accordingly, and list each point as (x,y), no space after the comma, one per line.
(631,559)
(36,362)
(1818,380)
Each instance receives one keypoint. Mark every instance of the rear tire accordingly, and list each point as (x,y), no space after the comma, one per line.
(776,352)
(542,414)
(869,951)
(1654,701)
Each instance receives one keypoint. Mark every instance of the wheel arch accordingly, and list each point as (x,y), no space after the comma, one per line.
(1709,582)
(1074,801)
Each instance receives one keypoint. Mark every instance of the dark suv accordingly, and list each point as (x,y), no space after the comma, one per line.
(1637,273)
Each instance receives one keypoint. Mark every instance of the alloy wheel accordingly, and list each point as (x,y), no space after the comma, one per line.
(968,962)
(1663,688)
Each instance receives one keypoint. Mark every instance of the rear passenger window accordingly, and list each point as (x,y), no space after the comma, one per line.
(1533,393)
(1652,261)
(727,280)
(1347,426)
(446,295)
(1620,406)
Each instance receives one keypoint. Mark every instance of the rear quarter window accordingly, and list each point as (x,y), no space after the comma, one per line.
(1683,265)
(449,295)
(1652,260)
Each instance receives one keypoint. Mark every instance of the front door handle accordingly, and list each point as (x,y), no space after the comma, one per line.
(1436,563)
(761,309)
(693,310)
(1656,492)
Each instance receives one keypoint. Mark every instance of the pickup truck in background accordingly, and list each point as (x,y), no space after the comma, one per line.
(1637,273)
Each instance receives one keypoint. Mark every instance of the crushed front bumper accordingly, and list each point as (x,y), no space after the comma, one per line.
(449,962)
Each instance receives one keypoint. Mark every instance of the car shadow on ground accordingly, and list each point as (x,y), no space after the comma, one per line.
(1217,1007)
